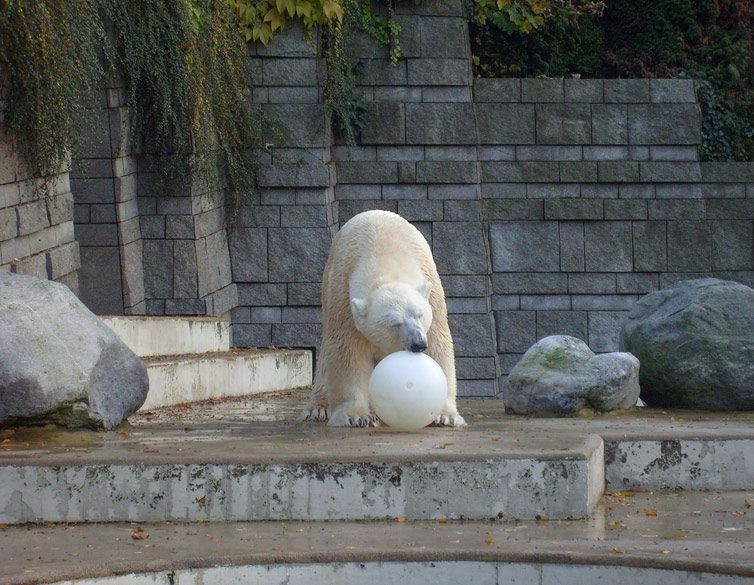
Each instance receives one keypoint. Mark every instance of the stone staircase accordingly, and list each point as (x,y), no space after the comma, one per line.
(190,359)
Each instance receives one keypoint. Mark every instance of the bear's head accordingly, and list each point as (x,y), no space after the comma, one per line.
(395,316)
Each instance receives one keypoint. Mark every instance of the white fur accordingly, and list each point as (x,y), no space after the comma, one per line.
(380,292)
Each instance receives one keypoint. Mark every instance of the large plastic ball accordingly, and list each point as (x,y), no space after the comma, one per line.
(408,390)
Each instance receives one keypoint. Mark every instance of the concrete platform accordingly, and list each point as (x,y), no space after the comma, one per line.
(150,336)
(647,538)
(176,379)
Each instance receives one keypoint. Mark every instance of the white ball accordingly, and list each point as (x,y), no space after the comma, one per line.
(408,390)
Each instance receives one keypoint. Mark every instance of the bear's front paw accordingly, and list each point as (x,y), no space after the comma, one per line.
(449,420)
(349,414)
(317,414)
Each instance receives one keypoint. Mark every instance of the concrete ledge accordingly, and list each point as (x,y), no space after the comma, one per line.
(189,378)
(149,336)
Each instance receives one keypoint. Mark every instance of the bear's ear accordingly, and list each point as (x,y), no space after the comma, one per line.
(425,289)
(359,307)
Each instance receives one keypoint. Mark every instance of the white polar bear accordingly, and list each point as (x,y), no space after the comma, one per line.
(380,294)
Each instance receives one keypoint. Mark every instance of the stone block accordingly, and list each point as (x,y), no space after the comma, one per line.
(591,283)
(728,172)
(503,190)
(449,191)
(466,305)
(553,190)
(102,213)
(398,93)
(8,224)
(604,302)
(636,191)
(410,37)
(497,90)
(382,72)
(540,152)
(674,124)
(519,172)
(470,368)
(184,270)
(521,246)
(506,302)
(503,123)
(670,172)
(152,226)
(304,293)
(495,209)
(449,153)
(266,315)
(675,153)
(609,124)
(439,94)
(604,330)
(104,234)
(248,254)
(177,226)
(571,246)
(60,208)
(158,268)
(32,217)
(293,175)
(447,172)
(251,335)
(732,245)
(599,191)
(478,388)
(563,123)
(400,153)
(545,302)
(100,281)
(542,90)
(571,209)
(618,171)
(384,123)
(584,90)
(689,246)
(516,330)
(446,124)
(637,282)
(578,172)
(425,229)
(407,172)
(405,192)
(672,91)
(573,323)
(292,95)
(463,210)
(297,255)
(626,209)
(464,285)
(348,208)
(10,195)
(730,208)
(472,335)
(62,260)
(302,315)
(650,246)
(626,91)
(354,153)
(435,8)
(421,210)
(608,246)
(289,72)
(258,216)
(262,294)
(296,334)
(361,192)
(676,209)
(529,283)
(442,38)
(458,248)
(185,307)
(296,125)
(678,191)
(292,42)
(31,265)
(723,190)
(303,216)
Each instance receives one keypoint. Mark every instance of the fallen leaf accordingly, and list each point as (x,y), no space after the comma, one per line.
(489,540)
(618,551)
(747,504)
(202,501)
(442,521)
(666,552)
(651,512)
(400,519)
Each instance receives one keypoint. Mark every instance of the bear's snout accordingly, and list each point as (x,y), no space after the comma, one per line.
(418,346)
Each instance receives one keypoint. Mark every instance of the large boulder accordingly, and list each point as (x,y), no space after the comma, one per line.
(695,341)
(59,362)
(561,375)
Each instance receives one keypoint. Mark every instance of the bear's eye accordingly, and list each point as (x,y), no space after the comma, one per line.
(395,324)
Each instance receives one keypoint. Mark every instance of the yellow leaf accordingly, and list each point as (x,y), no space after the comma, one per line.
(489,540)
(651,512)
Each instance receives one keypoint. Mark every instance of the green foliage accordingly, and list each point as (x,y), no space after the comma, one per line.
(52,52)
(708,40)
(187,84)
(512,16)
(261,18)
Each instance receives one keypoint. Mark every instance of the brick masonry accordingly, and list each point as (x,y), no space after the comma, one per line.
(551,205)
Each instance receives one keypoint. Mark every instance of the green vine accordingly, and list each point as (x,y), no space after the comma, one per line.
(52,54)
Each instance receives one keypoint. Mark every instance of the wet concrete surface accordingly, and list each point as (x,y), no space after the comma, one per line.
(693,531)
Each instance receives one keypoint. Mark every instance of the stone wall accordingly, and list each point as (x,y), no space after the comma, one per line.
(36,233)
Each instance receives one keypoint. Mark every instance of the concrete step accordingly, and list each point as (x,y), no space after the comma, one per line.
(194,377)
(150,336)
(692,537)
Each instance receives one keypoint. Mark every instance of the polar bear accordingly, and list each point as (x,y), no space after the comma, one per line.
(380,294)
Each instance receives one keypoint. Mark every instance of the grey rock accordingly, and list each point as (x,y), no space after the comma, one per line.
(561,375)
(59,363)
(695,340)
